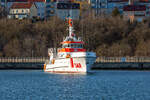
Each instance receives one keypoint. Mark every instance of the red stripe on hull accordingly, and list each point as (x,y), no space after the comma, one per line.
(71,62)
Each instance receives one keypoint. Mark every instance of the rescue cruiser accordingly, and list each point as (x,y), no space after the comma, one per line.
(72,57)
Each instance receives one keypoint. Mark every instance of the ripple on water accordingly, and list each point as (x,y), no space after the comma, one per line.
(101,85)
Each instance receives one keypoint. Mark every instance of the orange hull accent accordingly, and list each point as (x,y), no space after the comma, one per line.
(71,50)
(44,67)
(72,42)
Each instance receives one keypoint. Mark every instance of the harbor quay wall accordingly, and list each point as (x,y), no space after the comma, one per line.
(101,62)
(141,63)
(121,65)
(26,65)
(22,62)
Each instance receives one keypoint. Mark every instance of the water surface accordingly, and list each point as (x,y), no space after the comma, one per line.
(100,85)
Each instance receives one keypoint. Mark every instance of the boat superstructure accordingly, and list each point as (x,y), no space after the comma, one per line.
(71,57)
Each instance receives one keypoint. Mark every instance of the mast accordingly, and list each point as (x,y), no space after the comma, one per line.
(71,34)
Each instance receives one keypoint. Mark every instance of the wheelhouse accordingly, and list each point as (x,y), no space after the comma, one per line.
(72,45)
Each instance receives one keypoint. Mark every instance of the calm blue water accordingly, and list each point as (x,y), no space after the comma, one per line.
(101,85)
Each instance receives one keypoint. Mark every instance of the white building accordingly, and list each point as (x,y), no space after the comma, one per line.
(45,8)
(23,10)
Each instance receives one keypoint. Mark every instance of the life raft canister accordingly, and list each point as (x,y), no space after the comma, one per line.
(44,67)
(53,61)
(68,56)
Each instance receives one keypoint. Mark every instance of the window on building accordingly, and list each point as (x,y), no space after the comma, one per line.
(26,11)
(52,6)
(65,6)
(20,16)
(47,1)
(42,14)
(22,10)
(16,11)
(51,11)
(48,6)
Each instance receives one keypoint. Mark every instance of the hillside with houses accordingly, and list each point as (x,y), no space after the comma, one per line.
(123,31)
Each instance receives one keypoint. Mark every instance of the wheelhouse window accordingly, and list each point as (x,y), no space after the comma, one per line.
(72,45)
(65,46)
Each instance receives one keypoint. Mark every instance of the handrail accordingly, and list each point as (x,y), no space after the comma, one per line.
(23,59)
(44,59)
(123,59)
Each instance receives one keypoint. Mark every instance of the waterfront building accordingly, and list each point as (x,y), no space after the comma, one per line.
(63,10)
(84,6)
(107,6)
(50,8)
(40,4)
(9,3)
(83,3)
(137,9)
(134,12)
(119,4)
(99,6)
(44,7)
(23,10)
(2,3)
(147,4)
(60,8)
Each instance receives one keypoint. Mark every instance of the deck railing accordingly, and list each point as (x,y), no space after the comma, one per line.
(23,59)
(44,59)
(123,59)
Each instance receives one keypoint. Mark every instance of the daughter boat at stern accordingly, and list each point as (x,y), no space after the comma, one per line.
(72,57)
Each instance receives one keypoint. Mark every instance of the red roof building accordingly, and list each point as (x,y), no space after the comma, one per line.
(144,1)
(25,0)
(134,8)
(134,12)
(36,0)
(21,5)
(23,10)
(118,1)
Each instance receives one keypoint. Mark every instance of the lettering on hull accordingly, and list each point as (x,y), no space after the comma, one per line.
(75,65)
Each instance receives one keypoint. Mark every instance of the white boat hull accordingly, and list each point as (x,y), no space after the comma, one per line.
(71,65)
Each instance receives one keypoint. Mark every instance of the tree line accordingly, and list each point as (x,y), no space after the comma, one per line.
(112,37)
